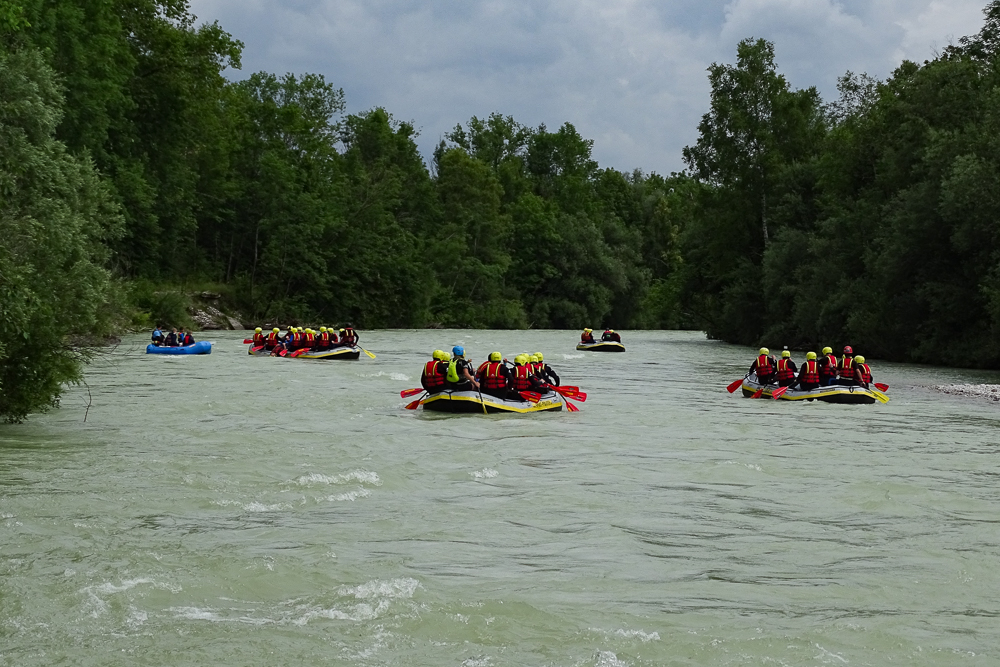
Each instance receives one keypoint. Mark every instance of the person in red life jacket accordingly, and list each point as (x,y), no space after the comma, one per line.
(765,366)
(273,339)
(827,367)
(334,339)
(323,339)
(786,369)
(862,372)
(610,335)
(348,336)
(845,367)
(545,372)
(493,376)
(258,337)
(184,339)
(809,376)
(522,379)
(433,377)
(309,339)
(587,336)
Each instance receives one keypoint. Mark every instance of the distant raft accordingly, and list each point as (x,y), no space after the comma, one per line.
(349,352)
(836,393)
(602,346)
(472,402)
(201,347)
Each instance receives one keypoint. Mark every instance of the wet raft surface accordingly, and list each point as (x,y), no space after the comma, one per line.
(236,510)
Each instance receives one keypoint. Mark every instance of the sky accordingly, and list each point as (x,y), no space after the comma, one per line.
(628,74)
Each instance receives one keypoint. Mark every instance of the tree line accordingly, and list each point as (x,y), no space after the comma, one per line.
(130,162)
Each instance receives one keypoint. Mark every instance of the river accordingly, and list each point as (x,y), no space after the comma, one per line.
(229,510)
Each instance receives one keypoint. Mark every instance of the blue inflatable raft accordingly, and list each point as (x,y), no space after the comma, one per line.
(201,347)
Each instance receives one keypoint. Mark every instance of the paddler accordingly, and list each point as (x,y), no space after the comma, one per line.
(157,337)
(845,368)
(765,366)
(433,377)
(171,339)
(273,339)
(460,376)
(348,336)
(610,335)
(522,378)
(493,376)
(545,372)
(827,367)
(309,339)
(258,337)
(862,372)
(786,369)
(184,338)
(323,339)
(587,336)
(809,374)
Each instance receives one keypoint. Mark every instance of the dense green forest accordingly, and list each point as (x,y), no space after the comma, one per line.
(131,166)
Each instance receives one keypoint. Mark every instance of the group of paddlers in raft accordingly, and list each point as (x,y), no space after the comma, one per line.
(496,376)
(295,338)
(609,335)
(849,370)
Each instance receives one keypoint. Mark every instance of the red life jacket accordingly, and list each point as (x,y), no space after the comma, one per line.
(810,373)
(586,338)
(866,373)
(830,370)
(310,339)
(847,368)
(324,339)
(272,339)
(258,339)
(432,372)
(349,337)
(492,379)
(522,378)
(785,371)
(185,340)
(764,366)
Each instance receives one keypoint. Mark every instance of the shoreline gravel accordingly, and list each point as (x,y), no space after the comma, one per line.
(987,391)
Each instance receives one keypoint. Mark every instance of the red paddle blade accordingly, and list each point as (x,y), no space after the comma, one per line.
(576,396)
(258,348)
(247,341)
(778,392)
(571,407)
(734,386)
(570,388)
(759,393)
(413,405)
(532,396)
(881,387)
(406,393)
(299,353)
(283,353)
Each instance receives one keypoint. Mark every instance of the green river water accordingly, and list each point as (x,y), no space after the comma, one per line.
(229,510)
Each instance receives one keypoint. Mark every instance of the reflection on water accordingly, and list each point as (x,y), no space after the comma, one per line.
(237,510)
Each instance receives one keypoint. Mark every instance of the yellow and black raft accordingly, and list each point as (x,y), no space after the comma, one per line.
(836,393)
(341,352)
(602,346)
(472,402)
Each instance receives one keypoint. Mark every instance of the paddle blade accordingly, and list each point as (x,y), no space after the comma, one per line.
(406,393)
(283,353)
(882,398)
(532,396)
(576,396)
(413,405)
(247,341)
(881,387)
(368,353)
(571,407)
(779,392)
(299,352)
(759,393)
(734,386)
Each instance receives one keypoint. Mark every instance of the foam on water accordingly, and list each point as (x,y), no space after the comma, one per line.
(485,473)
(350,496)
(359,476)
(254,506)
(609,659)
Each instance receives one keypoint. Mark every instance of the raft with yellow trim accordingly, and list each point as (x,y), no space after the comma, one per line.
(349,352)
(836,393)
(472,402)
(602,346)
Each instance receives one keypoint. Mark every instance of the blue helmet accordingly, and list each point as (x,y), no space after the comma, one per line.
(458,351)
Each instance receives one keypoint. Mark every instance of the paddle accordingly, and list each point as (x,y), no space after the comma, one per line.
(406,393)
(736,385)
(881,387)
(367,352)
(571,407)
(247,341)
(576,396)
(414,404)
(882,398)
(299,352)
(257,349)
(532,396)
(758,393)
(777,393)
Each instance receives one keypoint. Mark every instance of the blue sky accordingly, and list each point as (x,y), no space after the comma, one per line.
(629,74)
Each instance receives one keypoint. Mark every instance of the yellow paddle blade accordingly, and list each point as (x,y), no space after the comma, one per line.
(882,398)
(368,353)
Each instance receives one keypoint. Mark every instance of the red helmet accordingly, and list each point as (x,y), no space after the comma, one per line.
(848,349)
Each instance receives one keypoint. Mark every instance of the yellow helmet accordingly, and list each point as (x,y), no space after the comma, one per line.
(276,330)
(342,331)
(534,359)
(588,330)
(764,351)
(611,330)
(437,354)
(859,359)
(521,359)
(810,356)
(257,330)
(785,354)
(322,329)
(496,356)
(827,350)
(539,355)
(445,356)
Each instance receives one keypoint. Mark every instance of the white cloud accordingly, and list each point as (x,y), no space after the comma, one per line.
(630,74)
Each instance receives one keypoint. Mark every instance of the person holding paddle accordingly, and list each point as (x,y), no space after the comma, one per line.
(827,367)
(587,336)
(862,372)
(809,374)
(786,369)
(765,366)
(493,376)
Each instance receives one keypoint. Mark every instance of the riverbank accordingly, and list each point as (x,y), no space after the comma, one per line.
(987,391)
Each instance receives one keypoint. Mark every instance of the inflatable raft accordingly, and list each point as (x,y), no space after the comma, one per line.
(601,346)
(836,393)
(201,347)
(472,402)
(343,352)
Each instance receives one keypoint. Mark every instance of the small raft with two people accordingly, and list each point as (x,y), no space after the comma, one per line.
(611,341)
(449,384)
(299,343)
(201,347)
